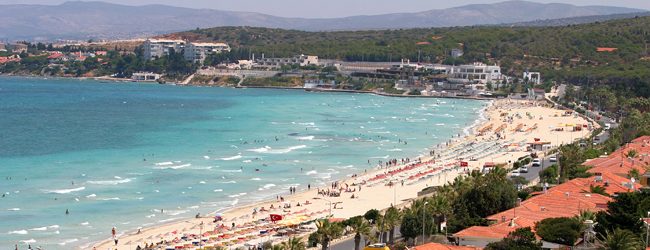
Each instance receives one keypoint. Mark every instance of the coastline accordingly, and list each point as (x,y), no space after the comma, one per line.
(304,195)
(381,194)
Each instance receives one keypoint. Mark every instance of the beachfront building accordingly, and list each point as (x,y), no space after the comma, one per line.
(302,60)
(145,76)
(3,47)
(476,73)
(157,48)
(196,52)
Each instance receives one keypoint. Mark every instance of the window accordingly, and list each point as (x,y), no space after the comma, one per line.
(482,76)
(470,70)
(479,70)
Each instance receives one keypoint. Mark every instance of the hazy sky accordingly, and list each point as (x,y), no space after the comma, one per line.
(334,8)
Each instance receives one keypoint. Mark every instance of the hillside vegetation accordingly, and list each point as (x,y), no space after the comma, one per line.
(566,53)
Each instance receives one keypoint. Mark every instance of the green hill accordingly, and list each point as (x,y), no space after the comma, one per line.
(566,53)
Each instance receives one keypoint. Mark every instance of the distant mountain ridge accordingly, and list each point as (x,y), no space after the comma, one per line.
(72,18)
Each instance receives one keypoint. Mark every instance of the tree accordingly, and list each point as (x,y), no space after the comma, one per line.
(621,239)
(411,226)
(634,173)
(625,212)
(327,231)
(596,190)
(372,215)
(392,218)
(360,227)
(294,244)
(563,230)
(520,239)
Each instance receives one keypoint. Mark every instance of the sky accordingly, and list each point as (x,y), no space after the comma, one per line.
(334,8)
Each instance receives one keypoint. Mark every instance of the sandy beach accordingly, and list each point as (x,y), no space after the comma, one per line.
(375,191)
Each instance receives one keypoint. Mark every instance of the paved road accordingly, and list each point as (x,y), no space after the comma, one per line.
(349,243)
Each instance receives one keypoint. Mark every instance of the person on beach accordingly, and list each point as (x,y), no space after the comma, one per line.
(113,232)
(308,186)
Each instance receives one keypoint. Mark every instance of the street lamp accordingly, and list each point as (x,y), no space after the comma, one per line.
(646,231)
(200,232)
(424,211)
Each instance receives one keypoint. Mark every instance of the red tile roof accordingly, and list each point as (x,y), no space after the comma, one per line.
(438,246)
(611,182)
(498,230)
(437,37)
(605,49)
(554,204)
(420,43)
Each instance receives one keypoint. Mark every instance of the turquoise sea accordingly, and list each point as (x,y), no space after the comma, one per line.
(132,149)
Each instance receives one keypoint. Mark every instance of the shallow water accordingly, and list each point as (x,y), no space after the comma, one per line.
(132,149)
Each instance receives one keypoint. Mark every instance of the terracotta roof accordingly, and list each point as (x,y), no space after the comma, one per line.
(605,49)
(554,204)
(437,37)
(498,230)
(611,182)
(81,58)
(438,246)
(420,43)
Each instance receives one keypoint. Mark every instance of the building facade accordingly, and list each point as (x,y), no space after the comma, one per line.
(157,48)
(18,47)
(456,53)
(302,60)
(476,73)
(196,52)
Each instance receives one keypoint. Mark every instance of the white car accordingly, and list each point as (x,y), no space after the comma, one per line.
(553,159)
(523,169)
(514,173)
(536,163)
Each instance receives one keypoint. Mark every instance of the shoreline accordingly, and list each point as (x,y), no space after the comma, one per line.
(446,166)
(482,119)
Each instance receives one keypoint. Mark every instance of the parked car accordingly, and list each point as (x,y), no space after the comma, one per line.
(597,138)
(552,159)
(514,173)
(536,163)
(523,169)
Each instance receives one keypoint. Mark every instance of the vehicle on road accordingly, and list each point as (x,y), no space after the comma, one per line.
(514,173)
(536,163)
(523,169)
(607,126)
(597,138)
(552,159)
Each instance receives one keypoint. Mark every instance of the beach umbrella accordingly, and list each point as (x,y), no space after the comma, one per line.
(129,243)
(218,245)
(240,241)
(140,240)
(210,241)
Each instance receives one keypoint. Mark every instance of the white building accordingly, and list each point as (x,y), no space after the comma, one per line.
(477,73)
(145,76)
(456,53)
(159,48)
(196,52)
(302,60)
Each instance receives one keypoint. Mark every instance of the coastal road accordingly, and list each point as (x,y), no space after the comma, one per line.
(348,244)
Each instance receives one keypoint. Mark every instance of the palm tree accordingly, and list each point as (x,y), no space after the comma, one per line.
(634,173)
(441,207)
(327,231)
(392,219)
(621,239)
(632,153)
(294,244)
(360,227)
(596,190)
